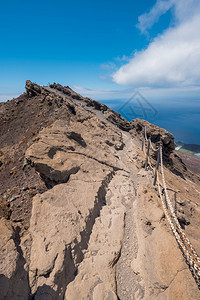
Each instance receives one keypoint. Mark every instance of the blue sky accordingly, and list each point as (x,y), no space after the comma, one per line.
(104,49)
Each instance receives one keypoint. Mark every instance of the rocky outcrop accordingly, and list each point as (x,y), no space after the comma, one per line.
(13,276)
(33,89)
(156,134)
(96,226)
(109,114)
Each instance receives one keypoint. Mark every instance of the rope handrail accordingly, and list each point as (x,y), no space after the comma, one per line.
(184,243)
(195,260)
(186,253)
(146,140)
(154,149)
(173,214)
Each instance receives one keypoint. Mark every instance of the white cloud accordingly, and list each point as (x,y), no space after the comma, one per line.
(152,94)
(5,97)
(171,59)
(98,94)
(108,66)
(122,59)
(148,19)
(182,11)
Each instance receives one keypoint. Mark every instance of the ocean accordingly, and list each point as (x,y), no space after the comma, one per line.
(180,117)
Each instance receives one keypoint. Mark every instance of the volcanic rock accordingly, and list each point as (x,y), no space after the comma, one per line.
(87,222)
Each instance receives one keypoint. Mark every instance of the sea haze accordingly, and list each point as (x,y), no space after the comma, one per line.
(180,117)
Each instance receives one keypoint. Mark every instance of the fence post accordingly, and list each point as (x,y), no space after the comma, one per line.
(143,141)
(148,148)
(175,204)
(157,166)
(145,133)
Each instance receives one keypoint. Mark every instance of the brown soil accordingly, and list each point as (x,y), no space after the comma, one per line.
(20,121)
(192,162)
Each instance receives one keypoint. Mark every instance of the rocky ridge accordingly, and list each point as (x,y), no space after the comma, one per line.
(80,217)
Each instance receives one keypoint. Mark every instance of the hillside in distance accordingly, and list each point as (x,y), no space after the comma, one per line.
(80,217)
(190,154)
(190,148)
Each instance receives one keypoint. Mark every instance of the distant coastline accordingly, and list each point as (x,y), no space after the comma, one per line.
(193,149)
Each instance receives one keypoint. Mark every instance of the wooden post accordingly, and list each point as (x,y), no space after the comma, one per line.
(157,166)
(145,133)
(143,141)
(166,201)
(148,148)
(175,204)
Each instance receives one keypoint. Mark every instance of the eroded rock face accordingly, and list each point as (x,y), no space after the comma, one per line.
(156,134)
(97,230)
(66,157)
(13,276)
(96,275)
(32,88)
(61,149)
(109,114)
(9,254)
(60,246)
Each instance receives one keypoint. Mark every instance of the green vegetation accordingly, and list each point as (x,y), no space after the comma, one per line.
(187,151)
(188,148)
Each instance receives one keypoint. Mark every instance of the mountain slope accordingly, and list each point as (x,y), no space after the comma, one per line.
(80,217)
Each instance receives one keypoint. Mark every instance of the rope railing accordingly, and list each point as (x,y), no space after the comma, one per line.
(146,139)
(190,254)
(154,149)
